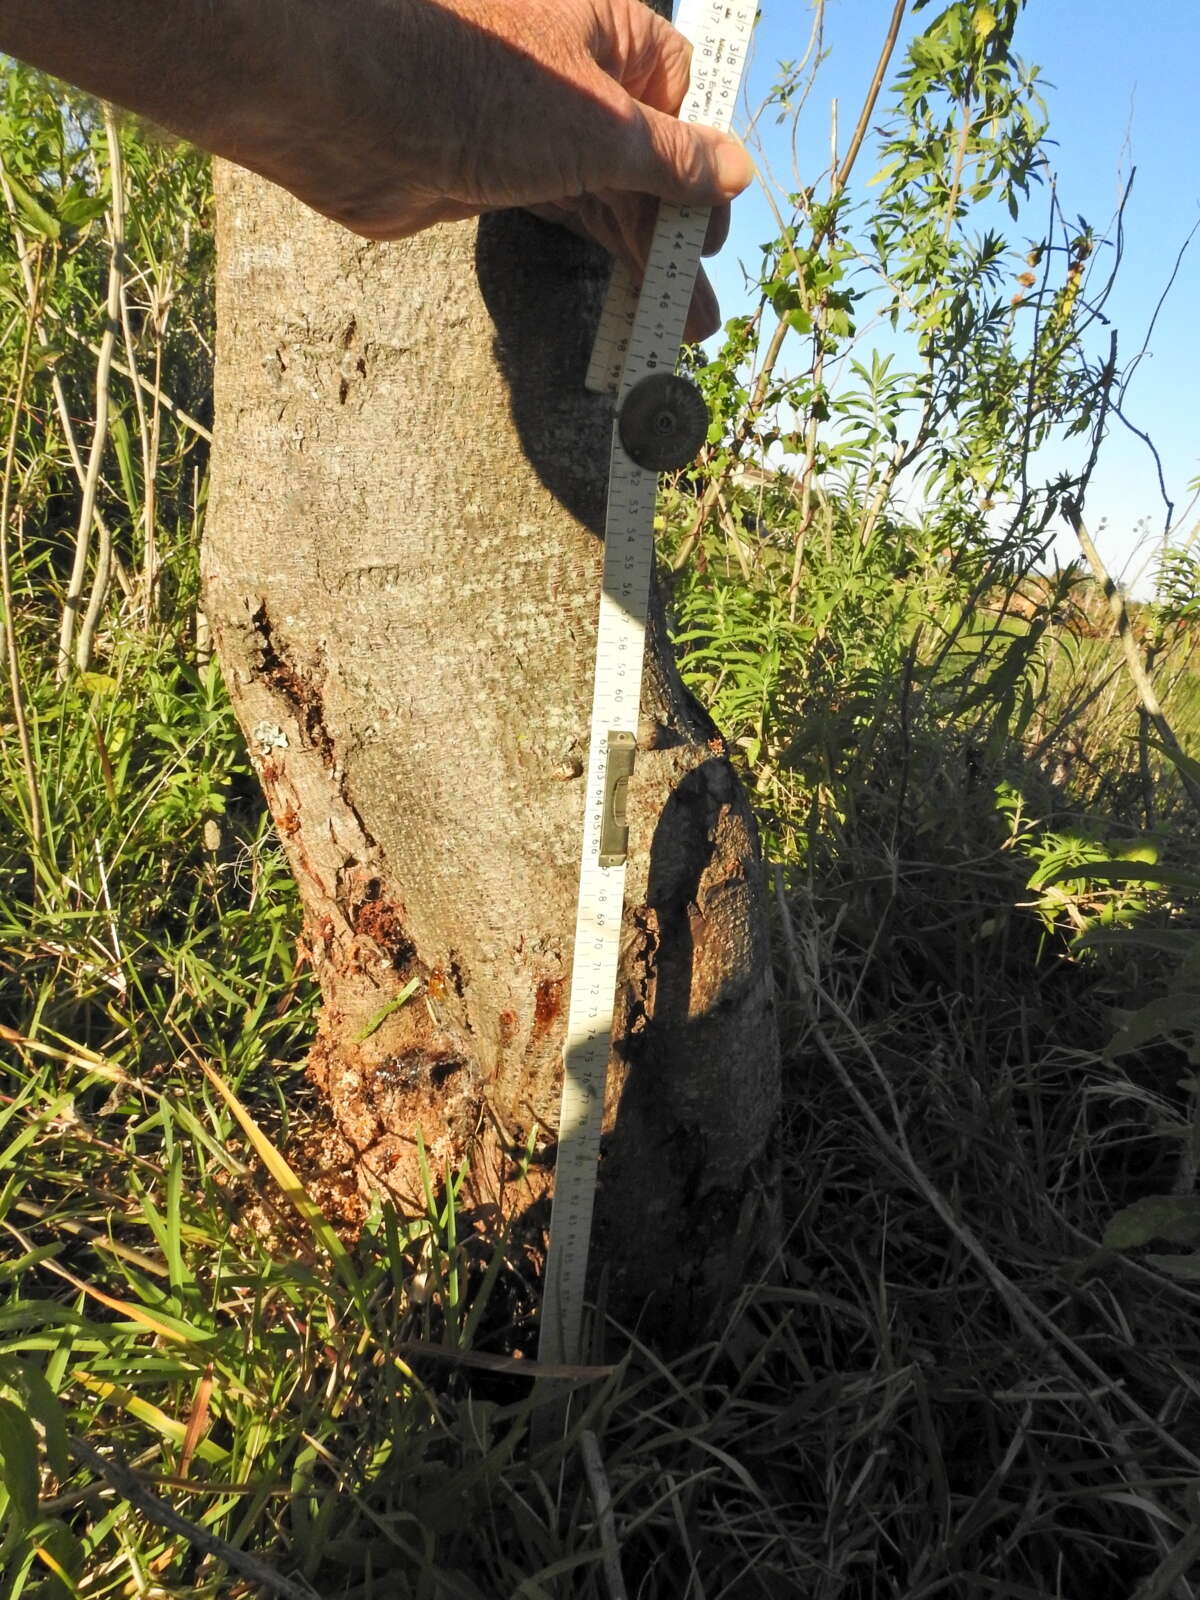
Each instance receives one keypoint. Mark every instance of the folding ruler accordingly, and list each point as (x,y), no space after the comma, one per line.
(660,423)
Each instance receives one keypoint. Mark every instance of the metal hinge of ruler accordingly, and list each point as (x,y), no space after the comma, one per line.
(636,348)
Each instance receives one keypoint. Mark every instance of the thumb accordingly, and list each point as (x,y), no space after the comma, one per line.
(685,163)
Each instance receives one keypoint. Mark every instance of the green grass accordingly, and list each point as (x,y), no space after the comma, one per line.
(950,1384)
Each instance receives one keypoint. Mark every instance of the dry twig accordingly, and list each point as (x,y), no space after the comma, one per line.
(593,1466)
(1134,660)
(6,589)
(103,566)
(119,1476)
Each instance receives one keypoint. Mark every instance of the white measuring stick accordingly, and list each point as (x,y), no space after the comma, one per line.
(613,333)
(639,334)
(719,35)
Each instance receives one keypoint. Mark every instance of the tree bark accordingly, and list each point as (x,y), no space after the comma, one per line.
(402,566)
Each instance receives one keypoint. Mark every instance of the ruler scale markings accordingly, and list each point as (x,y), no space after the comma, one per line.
(639,334)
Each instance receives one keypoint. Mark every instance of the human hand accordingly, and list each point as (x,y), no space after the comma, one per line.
(455,107)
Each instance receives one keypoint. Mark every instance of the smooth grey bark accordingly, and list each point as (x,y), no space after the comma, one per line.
(402,567)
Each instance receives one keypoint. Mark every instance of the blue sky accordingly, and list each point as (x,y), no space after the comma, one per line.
(1121,86)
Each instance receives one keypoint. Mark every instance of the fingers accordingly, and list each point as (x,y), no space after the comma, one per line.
(392,217)
(704,316)
(672,160)
(652,61)
(590,219)
(718,231)
(686,163)
(632,218)
(677,161)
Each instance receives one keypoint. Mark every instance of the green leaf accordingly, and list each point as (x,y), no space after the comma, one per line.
(97,682)
(1176,1014)
(384,1012)
(18,1473)
(293,1189)
(34,214)
(1186,764)
(1175,1218)
(43,1406)
(1154,877)
(123,450)
(77,207)
(1177,942)
(59,1549)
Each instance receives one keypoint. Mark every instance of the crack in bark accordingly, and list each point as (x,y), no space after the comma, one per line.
(301,693)
(278,671)
(643,970)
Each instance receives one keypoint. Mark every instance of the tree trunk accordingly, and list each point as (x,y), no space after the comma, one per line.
(402,566)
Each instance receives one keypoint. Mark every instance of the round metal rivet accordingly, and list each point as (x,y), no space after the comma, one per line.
(663,422)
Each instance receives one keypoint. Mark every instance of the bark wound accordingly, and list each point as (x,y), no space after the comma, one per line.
(546,1006)
(298,689)
(388,1075)
(380,921)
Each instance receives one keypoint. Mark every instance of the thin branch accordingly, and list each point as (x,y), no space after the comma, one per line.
(15,687)
(1138,433)
(24,254)
(116,273)
(1161,302)
(868,108)
(1075,709)
(149,449)
(10,628)
(148,386)
(119,1477)
(1115,404)
(610,1550)
(839,183)
(151,555)
(766,371)
(960,160)
(1134,660)
(1035,351)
